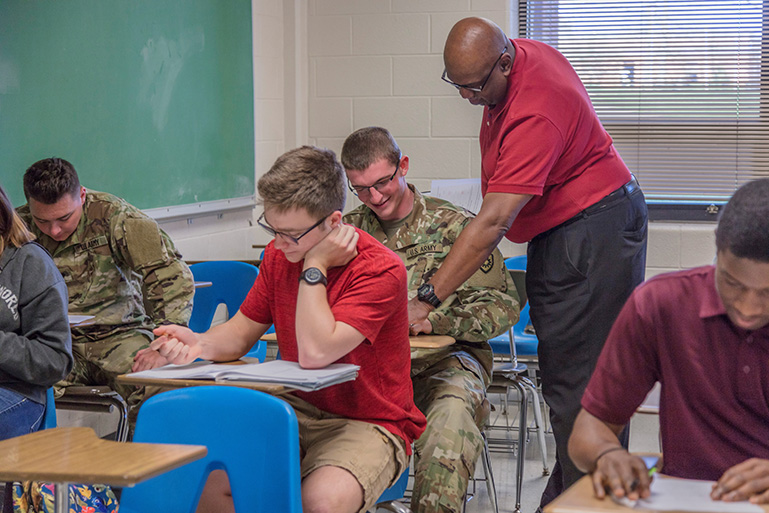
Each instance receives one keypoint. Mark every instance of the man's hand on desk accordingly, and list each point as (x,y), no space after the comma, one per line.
(424,326)
(147,359)
(620,474)
(748,480)
(418,311)
(176,344)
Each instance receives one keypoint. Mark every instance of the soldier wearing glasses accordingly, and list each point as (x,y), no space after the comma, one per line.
(551,177)
(449,383)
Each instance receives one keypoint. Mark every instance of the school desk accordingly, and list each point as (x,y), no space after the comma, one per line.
(76,455)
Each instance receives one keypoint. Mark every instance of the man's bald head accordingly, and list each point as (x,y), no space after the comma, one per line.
(471,45)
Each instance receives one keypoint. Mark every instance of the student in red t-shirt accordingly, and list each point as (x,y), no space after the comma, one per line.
(334,294)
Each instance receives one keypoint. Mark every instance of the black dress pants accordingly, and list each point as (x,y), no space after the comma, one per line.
(579,275)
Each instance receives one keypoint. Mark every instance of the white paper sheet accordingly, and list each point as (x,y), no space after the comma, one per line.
(465,192)
(77,319)
(671,494)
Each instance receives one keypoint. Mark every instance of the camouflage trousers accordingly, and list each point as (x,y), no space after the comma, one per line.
(99,362)
(452,398)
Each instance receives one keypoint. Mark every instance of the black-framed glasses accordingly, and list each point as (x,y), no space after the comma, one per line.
(381,184)
(474,89)
(275,233)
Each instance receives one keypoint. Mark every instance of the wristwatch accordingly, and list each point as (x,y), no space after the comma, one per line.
(426,294)
(313,276)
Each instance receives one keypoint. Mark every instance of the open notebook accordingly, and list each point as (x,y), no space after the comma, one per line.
(277,372)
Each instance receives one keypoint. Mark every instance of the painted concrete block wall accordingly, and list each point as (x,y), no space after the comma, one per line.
(379,62)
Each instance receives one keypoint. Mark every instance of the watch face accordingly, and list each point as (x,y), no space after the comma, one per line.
(424,290)
(312,275)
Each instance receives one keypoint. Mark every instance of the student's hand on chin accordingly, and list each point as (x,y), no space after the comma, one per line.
(748,480)
(338,248)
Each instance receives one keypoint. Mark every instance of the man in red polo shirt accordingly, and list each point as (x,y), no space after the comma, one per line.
(550,177)
(704,335)
(334,294)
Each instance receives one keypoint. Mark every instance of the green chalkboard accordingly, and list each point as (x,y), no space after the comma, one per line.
(151,100)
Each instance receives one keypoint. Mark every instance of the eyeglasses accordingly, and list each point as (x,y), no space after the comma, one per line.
(290,238)
(381,184)
(474,89)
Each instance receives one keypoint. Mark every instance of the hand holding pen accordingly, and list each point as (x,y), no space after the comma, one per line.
(621,475)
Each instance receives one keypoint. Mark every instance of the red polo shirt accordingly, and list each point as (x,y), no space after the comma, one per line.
(714,402)
(546,140)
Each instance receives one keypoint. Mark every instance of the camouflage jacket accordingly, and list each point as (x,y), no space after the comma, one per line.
(120,267)
(485,306)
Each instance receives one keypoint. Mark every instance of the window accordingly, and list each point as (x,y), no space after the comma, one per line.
(680,85)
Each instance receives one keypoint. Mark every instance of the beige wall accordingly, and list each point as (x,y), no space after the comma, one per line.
(323,68)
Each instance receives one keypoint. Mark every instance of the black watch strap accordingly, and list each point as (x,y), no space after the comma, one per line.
(426,294)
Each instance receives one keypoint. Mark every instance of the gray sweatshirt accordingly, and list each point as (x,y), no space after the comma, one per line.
(35,343)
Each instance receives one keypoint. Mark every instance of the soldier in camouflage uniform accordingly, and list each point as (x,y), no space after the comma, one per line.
(119,267)
(449,383)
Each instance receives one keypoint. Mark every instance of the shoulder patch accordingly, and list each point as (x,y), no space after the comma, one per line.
(143,241)
(488,265)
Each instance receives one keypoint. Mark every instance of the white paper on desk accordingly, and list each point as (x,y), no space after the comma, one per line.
(465,192)
(74,320)
(279,372)
(672,494)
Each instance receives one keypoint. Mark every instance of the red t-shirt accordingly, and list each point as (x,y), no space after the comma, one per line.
(714,401)
(369,294)
(546,140)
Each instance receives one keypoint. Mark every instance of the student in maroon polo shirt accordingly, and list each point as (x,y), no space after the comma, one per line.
(334,294)
(550,176)
(704,335)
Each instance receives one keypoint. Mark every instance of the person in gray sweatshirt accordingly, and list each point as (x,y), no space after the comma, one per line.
(35,343)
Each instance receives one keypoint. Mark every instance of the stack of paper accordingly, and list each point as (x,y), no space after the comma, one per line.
(277,372)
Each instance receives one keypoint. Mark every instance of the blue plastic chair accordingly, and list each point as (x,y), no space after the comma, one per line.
(389,500)
(525,343)
(49,417)
(231,281)
(251,435)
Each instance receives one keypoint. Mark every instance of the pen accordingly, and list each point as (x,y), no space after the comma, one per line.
(653,470)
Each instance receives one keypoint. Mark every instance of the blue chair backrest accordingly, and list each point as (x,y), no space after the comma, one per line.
(231,282)
(397,490)
(253,436)
(525,343)
(49,417)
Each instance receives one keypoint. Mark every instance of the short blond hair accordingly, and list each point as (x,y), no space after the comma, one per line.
(307,177)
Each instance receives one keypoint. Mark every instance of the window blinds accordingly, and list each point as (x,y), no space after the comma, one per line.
(680,85)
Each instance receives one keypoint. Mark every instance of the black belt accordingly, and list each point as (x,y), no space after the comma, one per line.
(626,190)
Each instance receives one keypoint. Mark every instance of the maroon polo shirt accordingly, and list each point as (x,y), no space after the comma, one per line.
(714,403)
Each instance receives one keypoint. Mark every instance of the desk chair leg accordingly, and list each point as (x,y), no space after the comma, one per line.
(490,485)
(539,421)
(61,497)
(522,432)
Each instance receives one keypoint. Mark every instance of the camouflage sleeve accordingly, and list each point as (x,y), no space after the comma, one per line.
(167,282)
(485,306)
